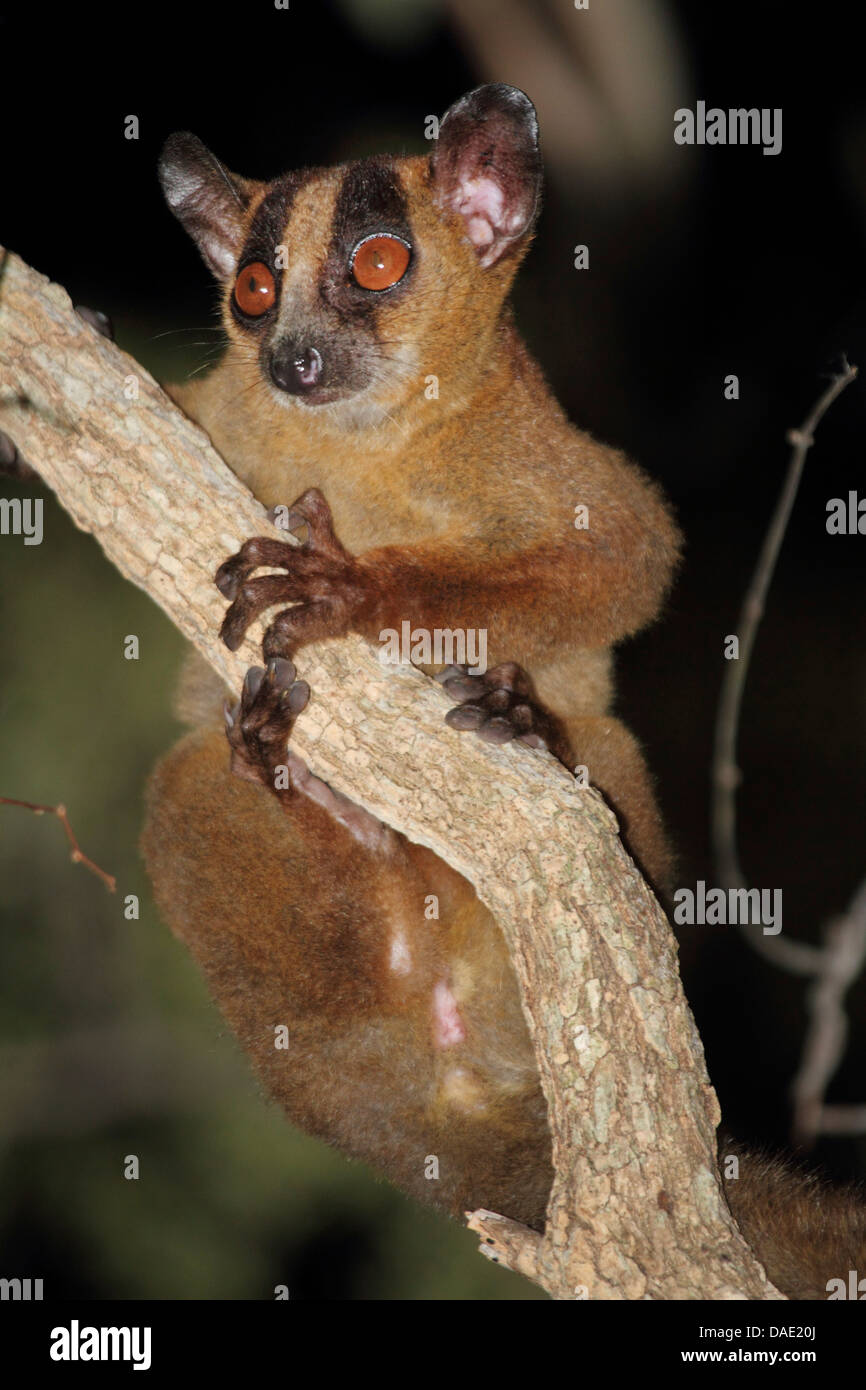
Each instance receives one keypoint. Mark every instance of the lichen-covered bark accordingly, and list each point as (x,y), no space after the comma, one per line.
(636,1210)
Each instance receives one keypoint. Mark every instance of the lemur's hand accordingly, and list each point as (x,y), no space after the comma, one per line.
(322,580)
(502,705)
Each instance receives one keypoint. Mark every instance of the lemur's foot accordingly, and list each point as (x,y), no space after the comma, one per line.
(258,728)
(259,725)
(502,705)
(322,580)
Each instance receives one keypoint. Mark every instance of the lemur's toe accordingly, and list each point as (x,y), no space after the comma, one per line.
(465,717)
(464,687)
(496,730)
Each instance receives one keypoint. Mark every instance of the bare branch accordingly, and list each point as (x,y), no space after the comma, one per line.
(506,1242)
(790,955)
(837,963)
(842,960)
(77,856)
(631,1110)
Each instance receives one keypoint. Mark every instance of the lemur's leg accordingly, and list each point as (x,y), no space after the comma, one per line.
(405,1036)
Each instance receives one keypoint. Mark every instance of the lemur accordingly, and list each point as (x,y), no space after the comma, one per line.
(343,291)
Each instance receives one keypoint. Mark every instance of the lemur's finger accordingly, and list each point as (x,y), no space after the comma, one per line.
(95,317)
(258,551)
(295,627)
(253,599)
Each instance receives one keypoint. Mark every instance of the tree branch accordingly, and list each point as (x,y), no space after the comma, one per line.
(791,955)
(636,1209)
(839,960)
(77,854)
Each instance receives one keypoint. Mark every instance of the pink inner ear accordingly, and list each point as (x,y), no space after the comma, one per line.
(481,203)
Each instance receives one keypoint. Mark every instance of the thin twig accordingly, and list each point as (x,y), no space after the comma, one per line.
(792,955)
(838,962)
(77,856)
(843,1119)
(824,1045)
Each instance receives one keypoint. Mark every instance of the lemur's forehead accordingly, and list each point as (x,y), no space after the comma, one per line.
(329,210)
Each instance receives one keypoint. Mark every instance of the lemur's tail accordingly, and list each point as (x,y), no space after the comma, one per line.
(805,1232)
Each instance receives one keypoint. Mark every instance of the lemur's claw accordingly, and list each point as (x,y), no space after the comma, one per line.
(227,579)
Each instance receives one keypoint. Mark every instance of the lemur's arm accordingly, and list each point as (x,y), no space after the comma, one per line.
(587,589)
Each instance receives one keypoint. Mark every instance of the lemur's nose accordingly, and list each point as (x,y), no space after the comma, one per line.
(296,370)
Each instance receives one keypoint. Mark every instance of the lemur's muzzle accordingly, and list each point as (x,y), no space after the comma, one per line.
(297,370)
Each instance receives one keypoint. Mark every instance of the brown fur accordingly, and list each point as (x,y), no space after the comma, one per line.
(804,1232)
(292,922)
(455,512)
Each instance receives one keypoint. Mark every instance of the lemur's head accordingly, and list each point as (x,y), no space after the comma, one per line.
(354,284)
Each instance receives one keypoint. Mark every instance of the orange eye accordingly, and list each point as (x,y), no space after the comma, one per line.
(255,290)
(379,261)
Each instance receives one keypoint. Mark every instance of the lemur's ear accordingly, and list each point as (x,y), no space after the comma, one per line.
(208,200)
(487,166)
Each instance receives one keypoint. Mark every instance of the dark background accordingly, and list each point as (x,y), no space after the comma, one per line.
(704,262)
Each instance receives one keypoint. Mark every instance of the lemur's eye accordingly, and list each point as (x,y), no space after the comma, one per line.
(255,290)
(379,261)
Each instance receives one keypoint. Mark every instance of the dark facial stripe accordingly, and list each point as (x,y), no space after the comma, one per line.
(370,199)
(266,233)
(272,214)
